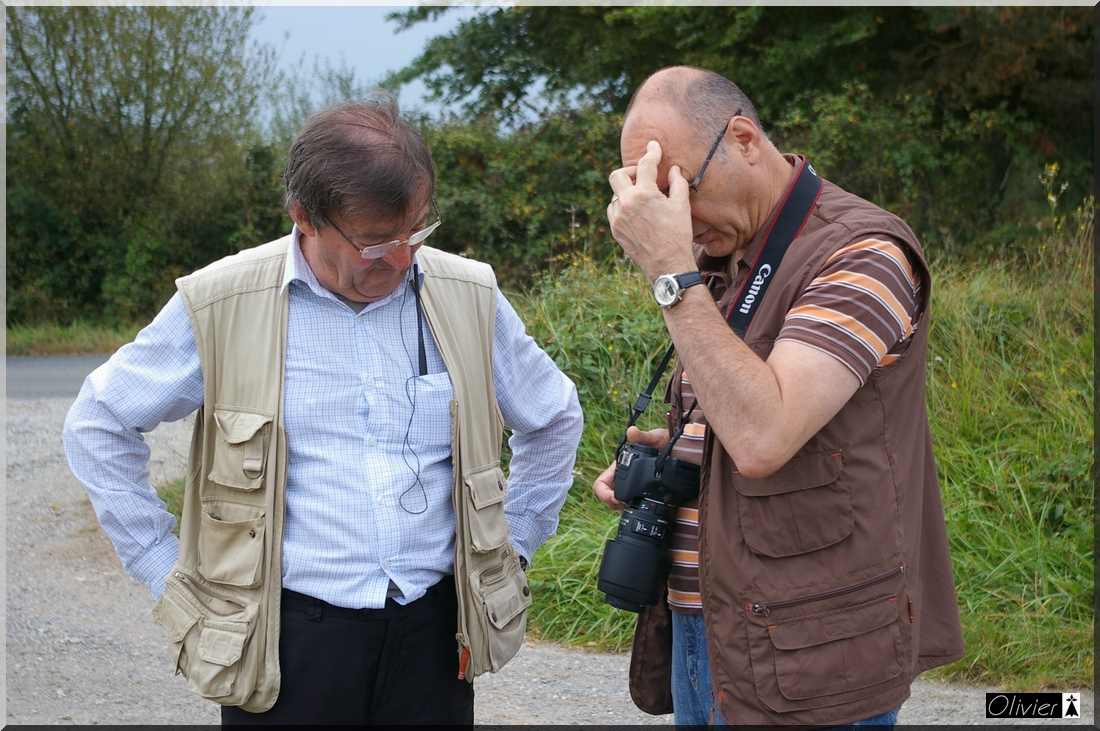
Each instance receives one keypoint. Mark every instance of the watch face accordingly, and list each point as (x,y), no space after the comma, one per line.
(665,290)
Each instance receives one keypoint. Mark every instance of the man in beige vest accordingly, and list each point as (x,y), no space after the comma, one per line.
(810,579)
(350,551)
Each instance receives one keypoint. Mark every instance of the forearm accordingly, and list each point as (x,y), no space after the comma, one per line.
(540,475)
(111,462)
(735,388)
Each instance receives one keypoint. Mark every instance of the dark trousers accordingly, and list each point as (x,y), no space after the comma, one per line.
(394,665)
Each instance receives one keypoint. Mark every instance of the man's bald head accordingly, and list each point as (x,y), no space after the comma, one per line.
(704,99)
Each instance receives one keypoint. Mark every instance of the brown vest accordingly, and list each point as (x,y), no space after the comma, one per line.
(827,586)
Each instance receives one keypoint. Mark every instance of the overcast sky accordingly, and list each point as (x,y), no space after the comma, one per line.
(360,34)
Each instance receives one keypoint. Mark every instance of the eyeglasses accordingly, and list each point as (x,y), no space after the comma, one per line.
(694,185)
(377,251)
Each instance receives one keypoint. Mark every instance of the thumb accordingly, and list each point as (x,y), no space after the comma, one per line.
(656,439)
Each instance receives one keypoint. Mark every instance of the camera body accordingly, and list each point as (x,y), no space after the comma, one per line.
(636,561)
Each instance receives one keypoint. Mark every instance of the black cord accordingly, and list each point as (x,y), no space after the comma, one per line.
(410,394)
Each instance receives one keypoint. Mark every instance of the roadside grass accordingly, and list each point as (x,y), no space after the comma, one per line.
(1010,394)
(78,338)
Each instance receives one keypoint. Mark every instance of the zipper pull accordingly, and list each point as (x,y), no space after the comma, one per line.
(463,660)
(761,609)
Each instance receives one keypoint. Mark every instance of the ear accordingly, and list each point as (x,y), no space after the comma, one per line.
(298,214)
(747,137)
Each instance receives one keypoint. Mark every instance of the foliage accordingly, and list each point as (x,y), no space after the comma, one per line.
(131,153)
(941,114)
(895,153)
(519,199)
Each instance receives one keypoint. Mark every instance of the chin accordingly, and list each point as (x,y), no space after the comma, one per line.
(718,248)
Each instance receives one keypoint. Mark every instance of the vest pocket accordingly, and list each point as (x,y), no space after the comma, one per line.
(834,656)
(231,543)
(501,589)
(485,490)
(240,450)
(803,507)
(208,634)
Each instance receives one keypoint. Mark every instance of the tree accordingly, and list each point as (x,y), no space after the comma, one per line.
(129,134)
(971,102)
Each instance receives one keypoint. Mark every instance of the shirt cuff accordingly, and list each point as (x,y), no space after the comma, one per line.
(156,563)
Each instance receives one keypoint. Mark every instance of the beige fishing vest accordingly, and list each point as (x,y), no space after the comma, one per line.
(221,604)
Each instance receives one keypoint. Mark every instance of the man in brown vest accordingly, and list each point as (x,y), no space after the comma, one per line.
(811,578)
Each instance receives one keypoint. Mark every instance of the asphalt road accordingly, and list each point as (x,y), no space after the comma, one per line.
(59,376)
(81,646)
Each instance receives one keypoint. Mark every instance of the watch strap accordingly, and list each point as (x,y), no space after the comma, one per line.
(688,279)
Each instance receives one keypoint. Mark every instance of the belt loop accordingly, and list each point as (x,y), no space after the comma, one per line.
(316,610)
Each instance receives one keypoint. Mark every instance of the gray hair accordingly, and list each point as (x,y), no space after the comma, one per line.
(358,159)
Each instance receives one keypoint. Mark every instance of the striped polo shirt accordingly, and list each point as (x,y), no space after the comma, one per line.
(862,309)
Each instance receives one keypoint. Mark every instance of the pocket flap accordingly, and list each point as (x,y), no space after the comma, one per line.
(802,632)
(239,426)
(175,619)
(221,645)
(800,473)
(506,601)
(486,486)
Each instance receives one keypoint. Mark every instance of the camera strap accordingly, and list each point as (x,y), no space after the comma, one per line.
(793,213)
(646,396)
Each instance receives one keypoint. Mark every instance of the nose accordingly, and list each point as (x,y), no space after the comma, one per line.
(400,258)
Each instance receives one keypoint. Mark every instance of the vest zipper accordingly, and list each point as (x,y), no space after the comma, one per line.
(765,609)
(192,586)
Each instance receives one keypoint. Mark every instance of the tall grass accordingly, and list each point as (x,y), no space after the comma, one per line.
(77,338)
(1010,395)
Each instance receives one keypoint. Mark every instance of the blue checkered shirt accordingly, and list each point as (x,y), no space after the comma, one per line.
(369,483)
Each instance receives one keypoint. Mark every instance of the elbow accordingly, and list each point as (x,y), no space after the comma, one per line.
(757,469)
(759,460)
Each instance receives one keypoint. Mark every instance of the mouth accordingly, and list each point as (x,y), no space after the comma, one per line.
(702,239)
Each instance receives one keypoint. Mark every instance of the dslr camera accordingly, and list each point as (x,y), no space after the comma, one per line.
(636,561)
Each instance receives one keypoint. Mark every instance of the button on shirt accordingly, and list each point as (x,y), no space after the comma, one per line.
(368,503)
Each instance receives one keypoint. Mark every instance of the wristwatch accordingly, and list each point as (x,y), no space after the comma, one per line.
(669,288)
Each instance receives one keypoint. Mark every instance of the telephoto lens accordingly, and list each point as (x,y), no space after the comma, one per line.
(636,562)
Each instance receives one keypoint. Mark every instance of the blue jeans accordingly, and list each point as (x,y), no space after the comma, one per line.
(692,697)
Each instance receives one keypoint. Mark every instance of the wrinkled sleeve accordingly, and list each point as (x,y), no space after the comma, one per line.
(540,405)
(154,379)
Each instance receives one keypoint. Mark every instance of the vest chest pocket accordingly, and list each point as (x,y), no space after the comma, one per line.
(231,543)
(240,450)
(803,507)
(485,490)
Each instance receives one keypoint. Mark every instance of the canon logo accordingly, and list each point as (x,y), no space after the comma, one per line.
(757,282)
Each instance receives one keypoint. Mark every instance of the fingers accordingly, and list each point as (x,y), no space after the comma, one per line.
(604,488)
(656,438)
(622,180)
(678,189)
(647,166)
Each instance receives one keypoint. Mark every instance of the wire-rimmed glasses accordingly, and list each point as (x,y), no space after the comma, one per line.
(377,251)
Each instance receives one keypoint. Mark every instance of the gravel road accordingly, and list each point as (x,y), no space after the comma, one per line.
(82,647)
